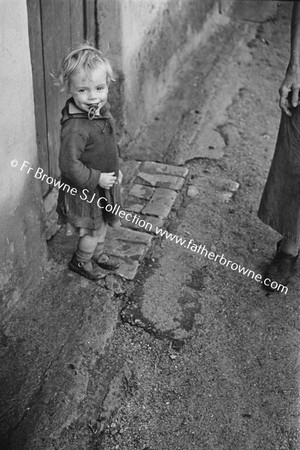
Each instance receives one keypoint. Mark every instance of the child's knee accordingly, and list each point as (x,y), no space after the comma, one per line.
(88,243)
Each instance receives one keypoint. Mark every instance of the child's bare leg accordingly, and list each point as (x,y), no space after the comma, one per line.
(81,261)
(102,259)
(100,241)
(85,250)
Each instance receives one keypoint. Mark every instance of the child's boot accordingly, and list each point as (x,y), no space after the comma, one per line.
(85,268)
(101,258)
(105,262)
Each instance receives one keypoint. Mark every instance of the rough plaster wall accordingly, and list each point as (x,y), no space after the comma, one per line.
(157,36)
(22,248)
(110,42)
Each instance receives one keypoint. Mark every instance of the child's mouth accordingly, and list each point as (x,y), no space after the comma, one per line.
(94,109)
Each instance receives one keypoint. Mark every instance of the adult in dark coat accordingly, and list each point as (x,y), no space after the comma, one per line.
(280,203)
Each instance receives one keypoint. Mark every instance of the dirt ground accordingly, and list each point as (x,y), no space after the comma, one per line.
(202,357)
(234,384)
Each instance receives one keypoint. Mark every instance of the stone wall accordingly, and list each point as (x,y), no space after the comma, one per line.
(147,42)
(22,248)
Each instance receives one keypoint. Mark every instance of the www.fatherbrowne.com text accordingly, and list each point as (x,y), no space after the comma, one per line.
(148,226)
(203,251)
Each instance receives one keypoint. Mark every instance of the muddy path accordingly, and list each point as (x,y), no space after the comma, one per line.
(202,357)
(234,383)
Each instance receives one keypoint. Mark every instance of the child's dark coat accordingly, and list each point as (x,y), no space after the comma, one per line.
(88,147)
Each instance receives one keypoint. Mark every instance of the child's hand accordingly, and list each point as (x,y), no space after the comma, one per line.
(120,178)
(107,180)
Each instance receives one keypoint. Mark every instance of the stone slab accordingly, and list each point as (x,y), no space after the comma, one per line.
(141,191)
(166,169)
(161,180)
(134,220)
(161,203)
(125,250)
(207,144)
(135,207)
(128,269)
(154,221)
(126,234)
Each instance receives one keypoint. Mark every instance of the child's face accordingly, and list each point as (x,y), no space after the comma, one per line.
(89,87)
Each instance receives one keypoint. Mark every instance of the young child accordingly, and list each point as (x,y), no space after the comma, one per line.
(280,203)
(88,158)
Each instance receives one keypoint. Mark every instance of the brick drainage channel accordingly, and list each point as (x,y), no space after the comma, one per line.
(150,199)
(151,191)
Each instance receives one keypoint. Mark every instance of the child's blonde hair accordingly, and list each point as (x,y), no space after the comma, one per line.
(83,56)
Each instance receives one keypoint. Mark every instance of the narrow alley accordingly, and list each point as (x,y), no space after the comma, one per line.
(175,351)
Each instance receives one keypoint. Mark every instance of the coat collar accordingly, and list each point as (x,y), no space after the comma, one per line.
(71,111)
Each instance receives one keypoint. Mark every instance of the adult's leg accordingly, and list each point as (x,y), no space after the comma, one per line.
(290,246)
(282,266)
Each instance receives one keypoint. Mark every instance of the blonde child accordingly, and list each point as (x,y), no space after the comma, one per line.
(88,158)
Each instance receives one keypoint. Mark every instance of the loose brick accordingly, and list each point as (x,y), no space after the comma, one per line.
(192,191)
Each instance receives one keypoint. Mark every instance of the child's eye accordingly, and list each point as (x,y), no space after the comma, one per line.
(81,90)
(100,88)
